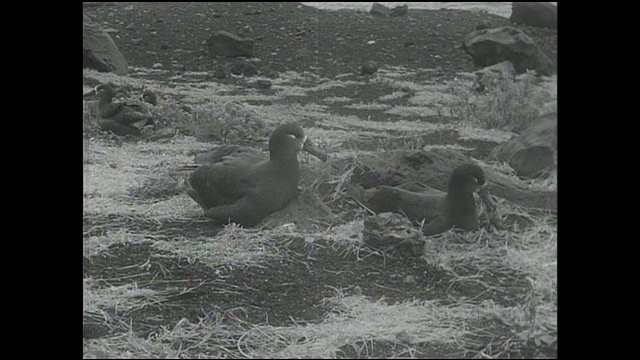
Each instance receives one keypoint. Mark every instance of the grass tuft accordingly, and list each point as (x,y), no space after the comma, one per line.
(504,104)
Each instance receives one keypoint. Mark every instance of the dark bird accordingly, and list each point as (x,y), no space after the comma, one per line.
(122,117)
(239,184)
(440,211)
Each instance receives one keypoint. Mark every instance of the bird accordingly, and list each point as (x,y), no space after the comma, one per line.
(123,117)
(440,211)
(239,184)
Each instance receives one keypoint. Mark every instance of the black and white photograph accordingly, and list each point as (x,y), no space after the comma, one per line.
(286,180)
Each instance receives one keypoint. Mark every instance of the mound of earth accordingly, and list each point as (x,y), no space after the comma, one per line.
(292,36)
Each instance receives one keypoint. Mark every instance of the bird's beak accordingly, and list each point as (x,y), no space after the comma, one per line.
(90,93)
(312,149)
(485,197)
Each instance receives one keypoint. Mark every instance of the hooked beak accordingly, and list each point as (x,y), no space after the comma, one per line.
(90,93)
(312,149)
(485,197)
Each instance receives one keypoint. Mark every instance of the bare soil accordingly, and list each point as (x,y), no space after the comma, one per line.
(292,36)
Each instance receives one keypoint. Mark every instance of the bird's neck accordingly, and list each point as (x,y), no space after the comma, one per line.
(105,100)
(286,163)
(463,202)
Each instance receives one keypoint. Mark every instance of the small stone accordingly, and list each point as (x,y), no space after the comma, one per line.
(263,84)
(156,66)
(357,290)
(369,68)
(371,42)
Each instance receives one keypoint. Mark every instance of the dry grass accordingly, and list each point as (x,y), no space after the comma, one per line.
(504,104)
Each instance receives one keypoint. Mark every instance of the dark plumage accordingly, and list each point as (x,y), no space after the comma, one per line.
(123,117)
(239,184)
(441,211)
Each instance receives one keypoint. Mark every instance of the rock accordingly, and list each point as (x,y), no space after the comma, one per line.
(270,73)
(504,69)
(433,167)
(520,193)
(544,132)
(539,14)
(90,81)
(533,152)
(483,24)
(532,161)
(369,68)
(99,52)
(393,234)
(222,71)
(400,10)
(261,84)
(491,46)
(149,97)
(244,68)
(379,10)
(226,44)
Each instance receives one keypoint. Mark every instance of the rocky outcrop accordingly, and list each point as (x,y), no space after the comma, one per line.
(400,10)
(379,10)
(226,44)
(539,14)
(532,153)
(99,52)
(491,46)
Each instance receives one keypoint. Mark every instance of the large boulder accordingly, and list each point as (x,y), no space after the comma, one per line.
(226,44)
(539,14)
(379,10)
(400,10)
(99,52)
(491,46)
(532,153)
(433,167)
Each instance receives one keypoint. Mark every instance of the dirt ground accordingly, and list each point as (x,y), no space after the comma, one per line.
(300,264)
(292,36)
